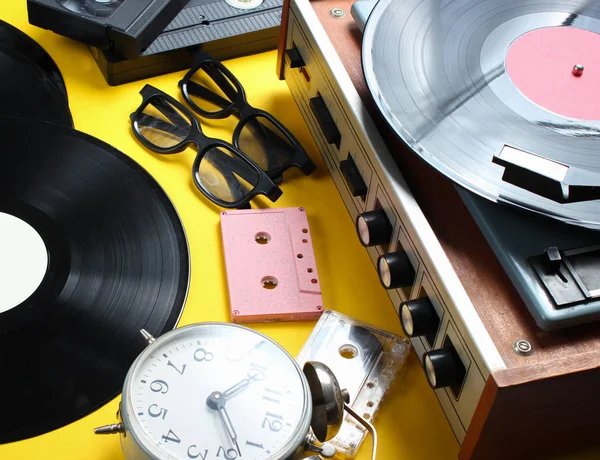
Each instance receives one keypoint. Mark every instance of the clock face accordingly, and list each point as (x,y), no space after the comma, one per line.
(217,391)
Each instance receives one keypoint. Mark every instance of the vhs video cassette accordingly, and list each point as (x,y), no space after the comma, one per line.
(223,28)
(125,27)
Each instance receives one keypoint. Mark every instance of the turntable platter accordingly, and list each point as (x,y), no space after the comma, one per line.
(496,95)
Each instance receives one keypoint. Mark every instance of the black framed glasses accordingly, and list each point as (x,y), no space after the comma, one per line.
(212,91)
(223,173)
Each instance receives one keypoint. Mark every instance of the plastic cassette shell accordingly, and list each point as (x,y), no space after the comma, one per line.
(271,268)
(127,32)
(213,26)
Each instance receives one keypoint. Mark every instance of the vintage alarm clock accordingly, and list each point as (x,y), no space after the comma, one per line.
(224,391)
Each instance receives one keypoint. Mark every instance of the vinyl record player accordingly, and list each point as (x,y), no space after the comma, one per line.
(496,291)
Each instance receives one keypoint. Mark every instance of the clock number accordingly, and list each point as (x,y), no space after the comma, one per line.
(229,454)
(175,367)
(254,444)
(199,454)
(255,374)
(268,397)
(258,366)
(162,411)
(170,436)
(159,386)
(274,425)
(202,355)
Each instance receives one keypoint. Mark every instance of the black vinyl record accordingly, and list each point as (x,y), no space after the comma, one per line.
(27,91)
(438,73)
(13,39)
(117,262)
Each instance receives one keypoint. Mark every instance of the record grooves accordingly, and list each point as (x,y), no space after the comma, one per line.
(117,262)
(438,74)
(27,92)
(13,39)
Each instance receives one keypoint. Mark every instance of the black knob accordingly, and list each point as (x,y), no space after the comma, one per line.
(325,120)
(294,58)
(395,270)
(354,180)
(418,317)
(443,367)
(374,228)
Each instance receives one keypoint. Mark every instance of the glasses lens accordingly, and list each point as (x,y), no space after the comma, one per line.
(264,142)
(162,124)
(210,89)
(226,176)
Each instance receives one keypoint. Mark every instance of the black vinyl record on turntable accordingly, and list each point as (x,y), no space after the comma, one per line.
(92,251)
(500,96)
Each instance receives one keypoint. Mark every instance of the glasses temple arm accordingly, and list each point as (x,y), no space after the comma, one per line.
(222,82)
(195,89)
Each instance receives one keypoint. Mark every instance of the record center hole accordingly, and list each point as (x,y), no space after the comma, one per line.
(269,282)
(348,351)
(262,238)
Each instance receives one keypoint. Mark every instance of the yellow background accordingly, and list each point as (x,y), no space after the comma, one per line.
(411,424)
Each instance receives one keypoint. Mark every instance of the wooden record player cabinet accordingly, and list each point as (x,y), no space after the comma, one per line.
(530,406)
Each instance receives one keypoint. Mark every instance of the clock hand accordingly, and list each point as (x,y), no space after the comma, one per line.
(237,387)
(216,401)
(230,429)
(253,374)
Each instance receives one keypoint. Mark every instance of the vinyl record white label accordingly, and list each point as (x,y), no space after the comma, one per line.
(23,261)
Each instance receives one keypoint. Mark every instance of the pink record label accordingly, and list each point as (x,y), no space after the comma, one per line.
(271,268)
(542,64)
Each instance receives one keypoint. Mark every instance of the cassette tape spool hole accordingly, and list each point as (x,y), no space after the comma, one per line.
(269,282)
(262,238)
(348,351)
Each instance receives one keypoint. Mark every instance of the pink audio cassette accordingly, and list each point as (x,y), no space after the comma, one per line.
(271,268)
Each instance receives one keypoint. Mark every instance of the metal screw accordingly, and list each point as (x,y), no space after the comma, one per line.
(337,12)
(110,429)
(523,347)
(147,337)
(578,70)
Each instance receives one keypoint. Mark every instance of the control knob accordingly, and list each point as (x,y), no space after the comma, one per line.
(374,228)
(443,367)
(395,270)
(418,317)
